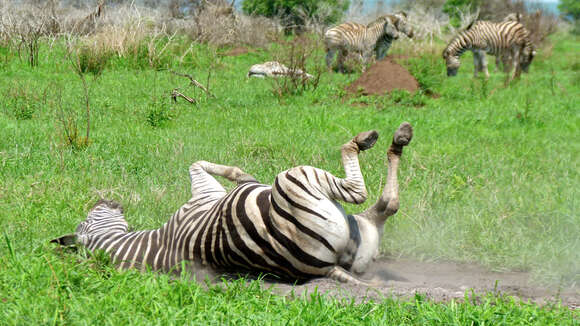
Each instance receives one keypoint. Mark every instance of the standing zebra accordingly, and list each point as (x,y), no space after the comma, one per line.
(377,36)
(503,61)
(499,39)
(294,229)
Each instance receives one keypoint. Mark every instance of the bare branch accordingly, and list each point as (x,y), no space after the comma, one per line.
(193,82)
(175,94)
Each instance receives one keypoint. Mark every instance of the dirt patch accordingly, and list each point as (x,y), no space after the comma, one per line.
(382,77)
(438,282)
(237,51)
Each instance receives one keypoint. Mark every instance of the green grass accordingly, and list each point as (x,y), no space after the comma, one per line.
(490,177)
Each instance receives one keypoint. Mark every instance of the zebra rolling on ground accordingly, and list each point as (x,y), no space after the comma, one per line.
(509,38)
(294,229)
(377,36)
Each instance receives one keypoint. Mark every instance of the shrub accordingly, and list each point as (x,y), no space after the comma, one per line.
(570,8)
(295,55)
(22,102)
(92,60)
(456,8)
(159,114)
(294,13)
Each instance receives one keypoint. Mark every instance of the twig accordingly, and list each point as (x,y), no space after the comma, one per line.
(175,93)
(193,82)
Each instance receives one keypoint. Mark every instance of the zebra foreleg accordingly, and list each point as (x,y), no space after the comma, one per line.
(480,63)
(329,57)
(354,182)
(342,53)
(515,70)
(388,203)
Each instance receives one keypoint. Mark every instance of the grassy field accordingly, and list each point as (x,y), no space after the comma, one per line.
(490,177)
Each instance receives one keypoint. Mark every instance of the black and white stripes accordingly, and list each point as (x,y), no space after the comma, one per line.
(508,38)
(294,229)
(377,36)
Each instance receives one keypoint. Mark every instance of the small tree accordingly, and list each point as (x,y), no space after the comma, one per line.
(570,8)
(454,8)
(294,12)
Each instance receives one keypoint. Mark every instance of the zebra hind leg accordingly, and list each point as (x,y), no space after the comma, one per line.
(388,203)
(232,173)
(339,274)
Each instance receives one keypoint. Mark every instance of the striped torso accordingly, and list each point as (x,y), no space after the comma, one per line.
(290,229)
(493,38)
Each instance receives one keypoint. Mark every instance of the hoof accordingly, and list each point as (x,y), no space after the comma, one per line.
(403,135)
(366,140)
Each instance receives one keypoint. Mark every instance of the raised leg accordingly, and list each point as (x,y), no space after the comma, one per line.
(388,202)
(353,184)
(205,189)
(320,183)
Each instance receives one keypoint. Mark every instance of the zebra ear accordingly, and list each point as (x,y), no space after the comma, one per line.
(402,13)
(66,240)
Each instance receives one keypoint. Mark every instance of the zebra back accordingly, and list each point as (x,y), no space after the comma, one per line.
(493,38)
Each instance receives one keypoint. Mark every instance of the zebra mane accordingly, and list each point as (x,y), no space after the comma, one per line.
(380,20)
(470,24)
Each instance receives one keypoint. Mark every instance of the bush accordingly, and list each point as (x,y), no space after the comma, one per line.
(456,8)
(295,13)
(570,8)
(22,101)
(295,55)
(92,60)
(159,114)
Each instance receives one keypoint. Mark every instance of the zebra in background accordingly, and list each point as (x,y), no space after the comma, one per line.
(499,39)
(377,36)
(294,229)
(503,62)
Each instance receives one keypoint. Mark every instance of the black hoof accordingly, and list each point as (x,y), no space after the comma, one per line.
(366,140)
(403,135)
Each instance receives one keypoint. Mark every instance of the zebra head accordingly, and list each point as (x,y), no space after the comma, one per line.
(526,58)
(452,62)
(402,24)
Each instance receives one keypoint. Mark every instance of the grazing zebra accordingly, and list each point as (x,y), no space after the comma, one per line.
(377,36)
(499,39)
(294,229)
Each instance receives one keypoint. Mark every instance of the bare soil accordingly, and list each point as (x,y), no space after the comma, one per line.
(237,51)
(402,278)
(382,77)
(437,281)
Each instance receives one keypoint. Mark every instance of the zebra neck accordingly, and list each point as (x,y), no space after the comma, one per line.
(141,249)
(373,33)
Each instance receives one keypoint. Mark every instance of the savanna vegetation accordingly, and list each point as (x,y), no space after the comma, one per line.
(491,176)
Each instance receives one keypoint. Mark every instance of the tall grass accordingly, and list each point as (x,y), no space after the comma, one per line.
(490,178)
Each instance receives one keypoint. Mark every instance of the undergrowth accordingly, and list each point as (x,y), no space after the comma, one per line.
(491,178)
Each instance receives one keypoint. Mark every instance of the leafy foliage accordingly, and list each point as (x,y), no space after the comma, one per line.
(570,8)
(295,12)
(454,8)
